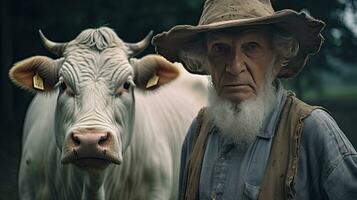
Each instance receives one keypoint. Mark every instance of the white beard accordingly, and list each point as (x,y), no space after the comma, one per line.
(242,122)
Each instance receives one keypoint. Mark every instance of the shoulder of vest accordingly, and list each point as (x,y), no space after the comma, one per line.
(302,108)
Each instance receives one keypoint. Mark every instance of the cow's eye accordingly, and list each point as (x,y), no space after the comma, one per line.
(124,89)
(63,87)
(126,85)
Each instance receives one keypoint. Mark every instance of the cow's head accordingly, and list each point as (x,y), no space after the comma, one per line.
(94,78)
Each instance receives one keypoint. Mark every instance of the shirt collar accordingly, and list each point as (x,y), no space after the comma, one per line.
(269,127)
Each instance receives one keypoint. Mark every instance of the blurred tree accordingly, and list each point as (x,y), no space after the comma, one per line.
(341,41)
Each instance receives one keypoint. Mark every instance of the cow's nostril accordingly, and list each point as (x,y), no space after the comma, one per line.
(76,140)
(103,139)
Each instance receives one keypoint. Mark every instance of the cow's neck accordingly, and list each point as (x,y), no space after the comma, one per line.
(93,186)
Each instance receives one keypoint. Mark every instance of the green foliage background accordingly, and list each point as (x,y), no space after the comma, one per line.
(132,20)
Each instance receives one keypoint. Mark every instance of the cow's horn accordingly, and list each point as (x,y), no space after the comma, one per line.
(136,48)
(53,47)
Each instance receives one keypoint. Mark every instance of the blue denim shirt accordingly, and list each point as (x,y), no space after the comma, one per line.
(327,161)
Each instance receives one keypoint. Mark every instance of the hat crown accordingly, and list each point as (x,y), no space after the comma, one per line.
(215,11)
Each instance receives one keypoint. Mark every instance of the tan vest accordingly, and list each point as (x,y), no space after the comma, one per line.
(279,179)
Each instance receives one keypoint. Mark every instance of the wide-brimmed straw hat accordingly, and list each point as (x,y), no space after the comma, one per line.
(226,14)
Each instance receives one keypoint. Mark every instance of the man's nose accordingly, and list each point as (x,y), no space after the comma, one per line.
(237,64)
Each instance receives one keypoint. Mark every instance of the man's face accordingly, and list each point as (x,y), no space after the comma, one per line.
(239,62)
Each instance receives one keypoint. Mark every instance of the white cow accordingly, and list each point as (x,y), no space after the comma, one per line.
(102,125)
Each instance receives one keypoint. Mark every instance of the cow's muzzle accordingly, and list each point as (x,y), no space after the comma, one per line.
(88,148)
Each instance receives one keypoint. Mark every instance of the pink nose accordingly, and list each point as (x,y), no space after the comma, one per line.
(89,139)
(90,145)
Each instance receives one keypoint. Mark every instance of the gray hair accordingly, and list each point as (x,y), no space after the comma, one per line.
(286,46)
(194,54)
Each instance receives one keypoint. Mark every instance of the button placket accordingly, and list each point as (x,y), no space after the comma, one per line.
(220,173)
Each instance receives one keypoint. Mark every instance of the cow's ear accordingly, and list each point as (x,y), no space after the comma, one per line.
(38,73)
(153,71)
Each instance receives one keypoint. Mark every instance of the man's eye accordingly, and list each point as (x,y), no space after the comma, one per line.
(220,48)
(250,47)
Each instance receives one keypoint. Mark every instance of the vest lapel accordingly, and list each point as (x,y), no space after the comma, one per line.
(280,175)
(197,155)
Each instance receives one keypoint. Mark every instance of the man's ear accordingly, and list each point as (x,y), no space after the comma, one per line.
(153,71)
(38,73)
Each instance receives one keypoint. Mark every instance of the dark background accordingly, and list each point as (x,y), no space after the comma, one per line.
(329,79)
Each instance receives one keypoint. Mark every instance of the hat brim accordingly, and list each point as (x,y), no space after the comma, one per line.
(306,29)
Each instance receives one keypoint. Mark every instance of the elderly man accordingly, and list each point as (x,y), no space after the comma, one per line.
(256,140)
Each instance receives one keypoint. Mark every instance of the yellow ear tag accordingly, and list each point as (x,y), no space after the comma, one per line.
(38,82)
(153,81)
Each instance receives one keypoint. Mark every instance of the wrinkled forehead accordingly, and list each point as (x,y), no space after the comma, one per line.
(256,33)
(94,63)
(87,58)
